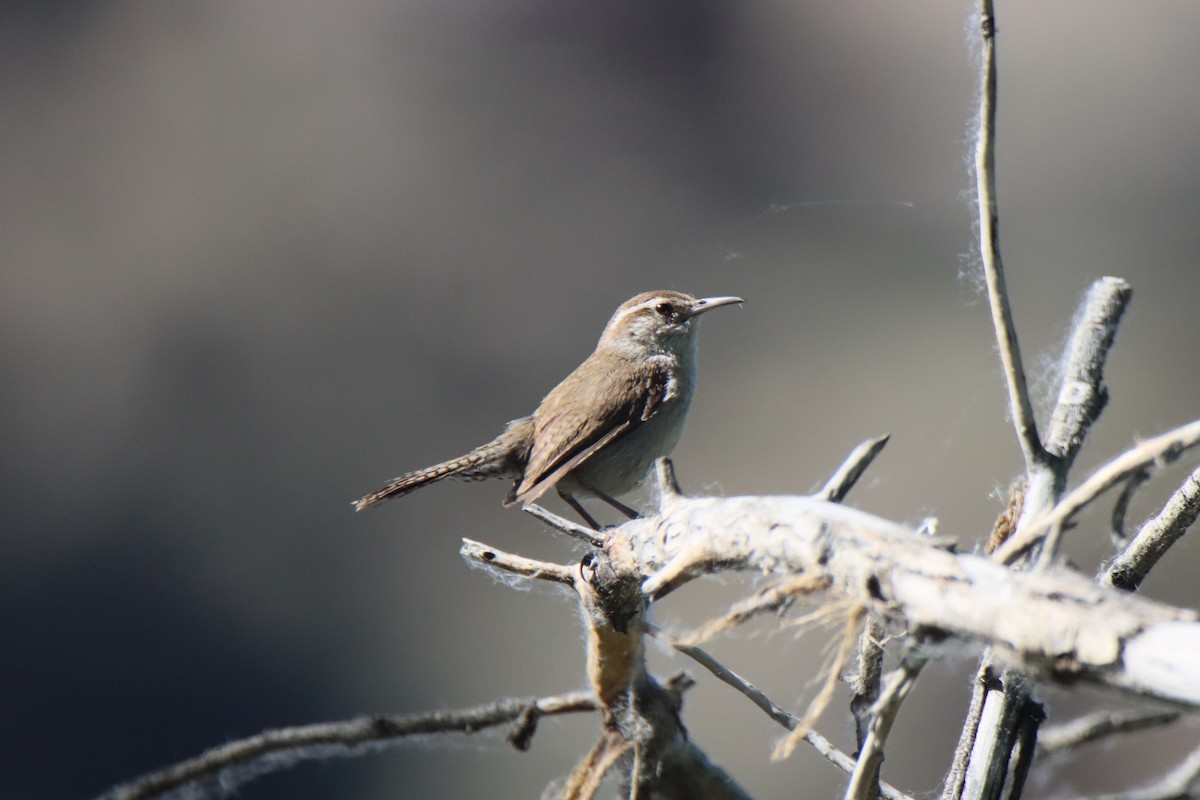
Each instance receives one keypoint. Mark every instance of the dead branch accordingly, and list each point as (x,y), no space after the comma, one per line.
(1084,632)
(864,782)
(832,673)
(493,558)
(989,250)
(1092,727)
(984,750)
(1162,449)
(773,598)
(789,721)
(1175,785)
(865,684)
(581,532)
(284,747)
(1082,395)
(842,481)
(1130,567)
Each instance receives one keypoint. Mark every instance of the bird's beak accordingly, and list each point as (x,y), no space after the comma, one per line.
(709,303)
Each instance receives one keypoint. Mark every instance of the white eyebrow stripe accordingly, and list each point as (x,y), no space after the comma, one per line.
(644,305)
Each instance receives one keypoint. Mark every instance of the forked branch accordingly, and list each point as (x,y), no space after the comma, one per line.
(1160,450)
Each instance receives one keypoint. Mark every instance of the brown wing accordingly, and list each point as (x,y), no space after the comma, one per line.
(582,415)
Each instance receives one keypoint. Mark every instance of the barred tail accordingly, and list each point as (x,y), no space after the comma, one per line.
(504,456)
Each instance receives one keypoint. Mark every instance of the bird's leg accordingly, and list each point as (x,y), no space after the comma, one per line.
(617,504)
(580,510)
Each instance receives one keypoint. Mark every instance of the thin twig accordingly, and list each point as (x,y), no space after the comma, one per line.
(1089,728)
(956,779)
(789,721)
(865,778)
(728,676)
(989,250)
(585,779)
(827,750)
(1024,748)
(1119,535)
(842,481)
(606,761)
(865,687)
(582,533)
(1175,785)
(1004,709)
(768,599)
(1132,564)
(283,747)
(517,565)
(665,479)
(833,673)
(1162,449)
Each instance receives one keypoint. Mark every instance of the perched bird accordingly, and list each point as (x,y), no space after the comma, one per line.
(599,431)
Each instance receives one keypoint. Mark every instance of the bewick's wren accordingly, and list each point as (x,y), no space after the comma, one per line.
(598,432)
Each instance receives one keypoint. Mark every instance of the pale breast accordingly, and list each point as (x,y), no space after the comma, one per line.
(623,464)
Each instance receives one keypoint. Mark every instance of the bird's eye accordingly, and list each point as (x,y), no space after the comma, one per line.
(665,310)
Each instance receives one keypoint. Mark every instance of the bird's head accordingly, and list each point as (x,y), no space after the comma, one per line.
(658,322)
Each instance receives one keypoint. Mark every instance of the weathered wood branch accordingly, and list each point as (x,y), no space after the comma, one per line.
(276,749)
(864,782)
(1162,449)
(1082,394)
(789,721)
(1092,727)
(1134,562)
(1050,625)
(1056,624)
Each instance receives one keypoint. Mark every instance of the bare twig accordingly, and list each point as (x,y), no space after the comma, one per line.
(770,598)
(1081,399)
(988,753)
(665,479)
(588,774)
(582,533)
(989,249)
(1082,395)
(956,779)
(1120,536)
(1162,449)
(1005,702)
(1089,728)
(492,558)
(830,753)
(1046,463)
(1132,564)
(865,686)
(283,747)
(1020,760)
(842,481)
(1175,785)
(833,673)
(789,721)
(865,778)
(730,678)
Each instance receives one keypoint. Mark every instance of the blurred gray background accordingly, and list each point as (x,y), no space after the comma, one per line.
(258,258)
